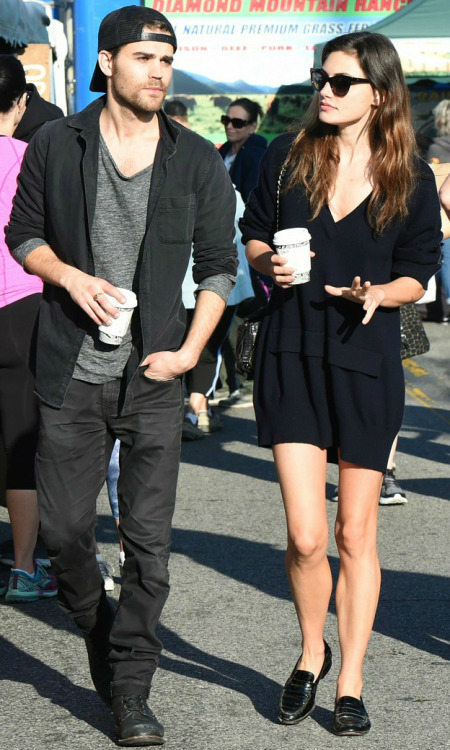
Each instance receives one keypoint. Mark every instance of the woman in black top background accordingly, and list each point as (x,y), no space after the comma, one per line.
(328,373)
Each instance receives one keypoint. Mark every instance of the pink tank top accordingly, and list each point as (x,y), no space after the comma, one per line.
(15,283)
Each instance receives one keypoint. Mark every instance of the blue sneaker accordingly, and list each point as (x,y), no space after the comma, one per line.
(24,587)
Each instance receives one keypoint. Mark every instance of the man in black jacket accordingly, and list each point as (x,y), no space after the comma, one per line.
(115,197)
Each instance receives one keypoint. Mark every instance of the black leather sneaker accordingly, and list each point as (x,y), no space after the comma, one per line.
(136,724)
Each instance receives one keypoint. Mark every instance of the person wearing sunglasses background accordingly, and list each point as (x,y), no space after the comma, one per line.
(329,382)
(243,148)
(242,153)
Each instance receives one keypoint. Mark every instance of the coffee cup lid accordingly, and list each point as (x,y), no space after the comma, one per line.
(130,299)
(291,236)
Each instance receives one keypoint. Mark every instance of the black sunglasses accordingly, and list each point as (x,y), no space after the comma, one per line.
(235,121)
(340,84)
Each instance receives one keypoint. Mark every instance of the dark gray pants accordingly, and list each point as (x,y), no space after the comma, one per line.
(75,444)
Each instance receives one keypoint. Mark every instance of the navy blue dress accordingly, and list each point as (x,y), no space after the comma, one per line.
(321,376)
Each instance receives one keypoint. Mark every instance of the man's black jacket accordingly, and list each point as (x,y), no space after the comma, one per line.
(191,201)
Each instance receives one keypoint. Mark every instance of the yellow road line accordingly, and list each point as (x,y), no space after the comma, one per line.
(413,368)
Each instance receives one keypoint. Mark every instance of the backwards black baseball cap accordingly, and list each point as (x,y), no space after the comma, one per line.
(125,26)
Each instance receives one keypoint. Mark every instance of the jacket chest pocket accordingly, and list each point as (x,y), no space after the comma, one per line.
(176,219)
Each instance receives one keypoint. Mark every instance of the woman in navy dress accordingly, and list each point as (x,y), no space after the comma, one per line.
(328,375)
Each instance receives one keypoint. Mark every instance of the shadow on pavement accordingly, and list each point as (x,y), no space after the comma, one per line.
(262,566)
(262,691)
(422,433)
(411,611)
(83,704)
(211,453)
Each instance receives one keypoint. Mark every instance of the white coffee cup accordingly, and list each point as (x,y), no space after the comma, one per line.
(293,244)
(114,333)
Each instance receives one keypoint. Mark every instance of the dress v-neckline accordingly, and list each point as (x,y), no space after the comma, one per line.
(338,221)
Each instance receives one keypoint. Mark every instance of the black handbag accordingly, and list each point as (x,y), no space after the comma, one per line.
(246,338)
(414,338)
(247,331)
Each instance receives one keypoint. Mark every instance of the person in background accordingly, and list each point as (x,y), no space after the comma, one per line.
(244,148)
(391,492)
(112,478)
(439,152)
(444,195)
(20,295)
(329,378)
(440,148)
(242,153)
(199,419)
(37,112)
(177,110)
(170,197)
(37,109)
(201,381)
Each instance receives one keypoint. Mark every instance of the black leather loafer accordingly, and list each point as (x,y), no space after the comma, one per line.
(136,724)
(350,717)
(297,700)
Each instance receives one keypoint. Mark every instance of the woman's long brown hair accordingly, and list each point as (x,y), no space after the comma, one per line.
(314,157)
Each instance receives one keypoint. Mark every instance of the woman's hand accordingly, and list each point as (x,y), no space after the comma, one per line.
(370,297)
(282,274)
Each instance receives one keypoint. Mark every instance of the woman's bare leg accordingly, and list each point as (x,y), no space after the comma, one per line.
(358,585)
(391,459)
(302,475)
(24,516)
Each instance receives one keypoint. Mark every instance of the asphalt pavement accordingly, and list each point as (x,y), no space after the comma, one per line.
(229,628)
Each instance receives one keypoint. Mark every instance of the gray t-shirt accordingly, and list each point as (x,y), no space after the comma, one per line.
(117,234)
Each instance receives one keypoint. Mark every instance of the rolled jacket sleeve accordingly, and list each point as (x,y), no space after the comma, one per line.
(214,250)
(418,248)
(221,285)
(21,252)
(27,221)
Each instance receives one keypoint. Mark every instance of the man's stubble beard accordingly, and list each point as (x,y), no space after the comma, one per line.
(136,102)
